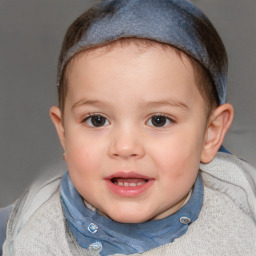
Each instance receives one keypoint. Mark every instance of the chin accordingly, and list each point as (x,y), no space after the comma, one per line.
(129,217)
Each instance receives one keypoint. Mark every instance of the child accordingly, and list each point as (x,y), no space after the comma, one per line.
(141,117)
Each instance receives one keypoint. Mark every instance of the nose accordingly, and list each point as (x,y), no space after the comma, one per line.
(126,143)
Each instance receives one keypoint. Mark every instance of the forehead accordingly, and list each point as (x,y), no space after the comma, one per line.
(116,51)
(131,73)
(135,45)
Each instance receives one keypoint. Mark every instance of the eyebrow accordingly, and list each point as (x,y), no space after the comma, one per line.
(86,102)
(172,103)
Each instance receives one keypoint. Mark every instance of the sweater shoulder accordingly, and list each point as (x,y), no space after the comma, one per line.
(222,228)
(43,232)
(234,178)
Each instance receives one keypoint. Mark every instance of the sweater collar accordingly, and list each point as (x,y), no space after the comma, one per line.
(99,233)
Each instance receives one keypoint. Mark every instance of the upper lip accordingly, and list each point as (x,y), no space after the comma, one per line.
(127,175)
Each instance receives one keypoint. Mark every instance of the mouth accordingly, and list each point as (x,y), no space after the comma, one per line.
(128,184)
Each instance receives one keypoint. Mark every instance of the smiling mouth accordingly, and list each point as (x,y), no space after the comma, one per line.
(129,182)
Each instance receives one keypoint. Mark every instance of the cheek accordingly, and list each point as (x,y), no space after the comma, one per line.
(179,155)
(82,155)
(83,164)
(179,170)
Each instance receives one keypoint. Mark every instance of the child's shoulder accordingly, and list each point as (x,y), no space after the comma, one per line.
(235,178)
(38,211)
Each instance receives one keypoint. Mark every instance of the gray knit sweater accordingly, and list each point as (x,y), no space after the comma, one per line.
(226,225)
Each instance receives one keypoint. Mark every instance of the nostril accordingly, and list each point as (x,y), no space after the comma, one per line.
(126,149)
(125,155)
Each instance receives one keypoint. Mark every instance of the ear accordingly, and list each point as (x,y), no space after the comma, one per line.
(56,116)
(218,124)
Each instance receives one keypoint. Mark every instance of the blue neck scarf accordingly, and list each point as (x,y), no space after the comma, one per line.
(101,234)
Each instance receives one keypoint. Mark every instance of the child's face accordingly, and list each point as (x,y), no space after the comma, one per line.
(134,130)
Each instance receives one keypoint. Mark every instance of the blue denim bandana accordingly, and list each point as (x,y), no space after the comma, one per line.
(101,234)
(168,21)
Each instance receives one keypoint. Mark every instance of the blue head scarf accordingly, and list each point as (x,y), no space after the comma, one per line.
(178,23)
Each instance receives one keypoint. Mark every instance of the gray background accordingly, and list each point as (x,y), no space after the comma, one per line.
(31,33)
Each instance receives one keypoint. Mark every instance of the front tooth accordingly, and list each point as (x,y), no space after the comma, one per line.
(127,184)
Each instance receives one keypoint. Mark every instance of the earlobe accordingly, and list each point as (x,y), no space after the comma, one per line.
(56,116)
(218,125)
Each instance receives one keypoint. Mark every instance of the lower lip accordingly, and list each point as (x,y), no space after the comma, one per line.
(129,191)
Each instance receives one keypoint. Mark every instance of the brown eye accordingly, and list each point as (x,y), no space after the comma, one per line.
(96,121)
(159,121)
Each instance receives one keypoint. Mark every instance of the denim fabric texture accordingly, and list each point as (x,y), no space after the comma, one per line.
(91,229)
(169,21)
